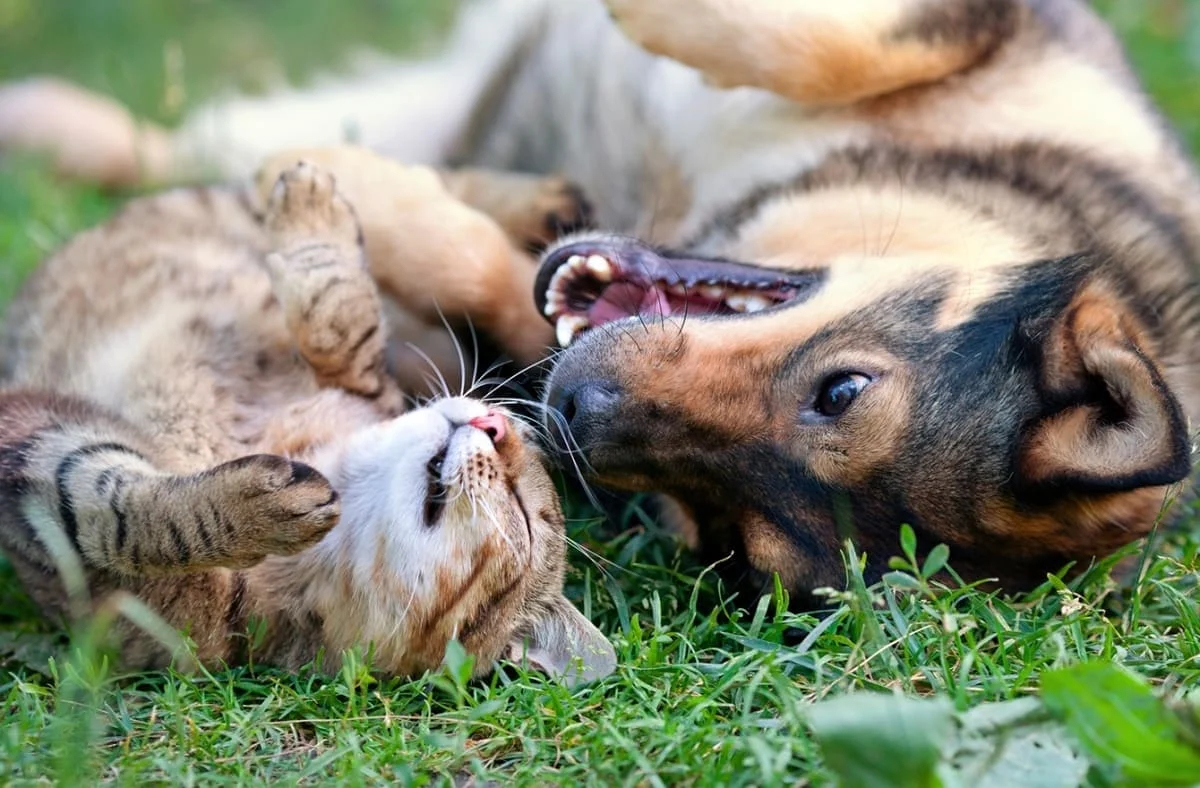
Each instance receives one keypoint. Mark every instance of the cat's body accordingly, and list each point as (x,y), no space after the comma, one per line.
(197,392)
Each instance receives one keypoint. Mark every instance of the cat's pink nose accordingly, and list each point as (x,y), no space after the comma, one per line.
(493,423)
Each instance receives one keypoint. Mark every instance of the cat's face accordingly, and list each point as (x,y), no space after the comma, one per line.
(451,528)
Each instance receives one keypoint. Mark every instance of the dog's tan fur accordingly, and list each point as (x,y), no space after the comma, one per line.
(1001,232)
(197,393)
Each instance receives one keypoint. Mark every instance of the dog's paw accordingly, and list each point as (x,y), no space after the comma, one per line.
(305,206)
(563,209)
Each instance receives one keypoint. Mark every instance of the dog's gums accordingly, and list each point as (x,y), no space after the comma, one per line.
(584,285)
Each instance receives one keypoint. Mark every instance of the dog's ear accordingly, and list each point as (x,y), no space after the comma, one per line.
(1114,425)
(564,644)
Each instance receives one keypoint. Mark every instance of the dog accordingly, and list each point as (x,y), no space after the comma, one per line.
(858,264)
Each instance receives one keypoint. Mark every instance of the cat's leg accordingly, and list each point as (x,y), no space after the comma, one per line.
(822,53)
(320,277)
(75,479)
(436,256)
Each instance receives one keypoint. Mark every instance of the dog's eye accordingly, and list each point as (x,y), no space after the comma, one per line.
(838,392)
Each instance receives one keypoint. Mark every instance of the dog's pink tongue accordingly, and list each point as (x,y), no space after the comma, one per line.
(625,300)
(655,303)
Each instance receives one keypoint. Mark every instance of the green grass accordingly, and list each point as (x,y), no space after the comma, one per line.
(705,693)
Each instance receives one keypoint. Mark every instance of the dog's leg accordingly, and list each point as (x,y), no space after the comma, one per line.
(414,110)
(818,52)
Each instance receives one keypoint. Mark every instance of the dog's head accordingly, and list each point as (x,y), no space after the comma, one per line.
(832,363)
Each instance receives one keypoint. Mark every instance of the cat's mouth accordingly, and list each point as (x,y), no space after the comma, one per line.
(586,284)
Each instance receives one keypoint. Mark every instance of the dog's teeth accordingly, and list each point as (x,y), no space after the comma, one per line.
(555,303)
(677,288)
(756,303)
(737,301)
(558,282)
(568,326)
(712,292)
(577,262)
(600,268)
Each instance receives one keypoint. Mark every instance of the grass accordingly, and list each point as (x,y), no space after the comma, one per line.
(706,692)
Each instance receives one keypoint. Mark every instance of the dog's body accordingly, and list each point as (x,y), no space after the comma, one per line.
(932,261)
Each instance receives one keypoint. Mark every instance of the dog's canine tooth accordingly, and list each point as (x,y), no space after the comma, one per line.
(737,301)
(600,268)
(568,327)
(577,262)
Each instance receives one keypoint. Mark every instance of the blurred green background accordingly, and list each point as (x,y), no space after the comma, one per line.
(163,56)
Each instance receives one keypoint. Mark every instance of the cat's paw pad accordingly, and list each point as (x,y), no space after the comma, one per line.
(305,206)
(282,506)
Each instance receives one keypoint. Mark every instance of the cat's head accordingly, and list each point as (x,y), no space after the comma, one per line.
(452,528)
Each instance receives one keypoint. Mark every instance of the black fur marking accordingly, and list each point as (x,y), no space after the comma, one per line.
(364,339)
(202,530)
(102,480)
(488,610)
(66,507)
(1024,169)
(302,474)
(979,23)
(118,510)
(13,460)
(181,548)
(307,312)
(225,523)
(559,224)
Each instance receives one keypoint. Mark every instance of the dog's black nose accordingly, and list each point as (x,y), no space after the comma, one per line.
(586,408)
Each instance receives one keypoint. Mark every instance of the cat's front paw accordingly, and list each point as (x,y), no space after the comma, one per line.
(279,507)
(306,206)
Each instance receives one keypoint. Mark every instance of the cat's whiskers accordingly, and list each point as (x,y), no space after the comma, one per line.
(443,386)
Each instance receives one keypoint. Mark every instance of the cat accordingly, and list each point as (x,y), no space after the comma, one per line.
(199,412)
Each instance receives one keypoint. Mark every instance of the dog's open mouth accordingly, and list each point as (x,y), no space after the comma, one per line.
(584,285)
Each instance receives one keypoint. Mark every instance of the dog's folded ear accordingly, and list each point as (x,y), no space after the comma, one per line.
(1113,424)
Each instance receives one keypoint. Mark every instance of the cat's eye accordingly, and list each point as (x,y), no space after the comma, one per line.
(838,392)
(435,492)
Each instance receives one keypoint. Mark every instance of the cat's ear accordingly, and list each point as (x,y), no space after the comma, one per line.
(564,644)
